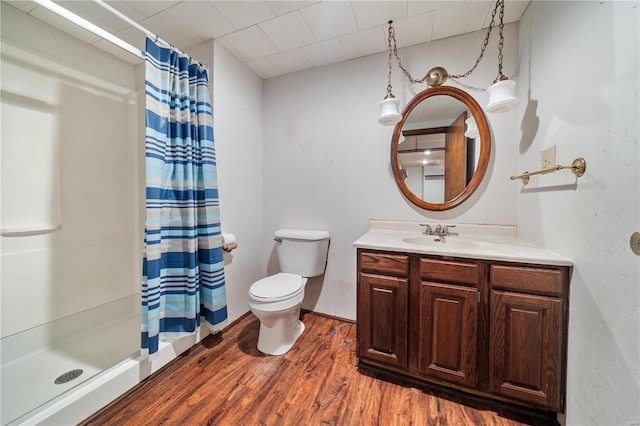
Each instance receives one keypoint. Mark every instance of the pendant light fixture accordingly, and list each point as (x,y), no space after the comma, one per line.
(501,92)
(389,113)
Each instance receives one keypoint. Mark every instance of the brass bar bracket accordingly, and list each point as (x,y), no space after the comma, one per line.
(578,168)
(229,247)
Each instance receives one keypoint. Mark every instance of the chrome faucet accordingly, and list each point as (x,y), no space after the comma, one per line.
(445,230)
(441,231)
(427,229)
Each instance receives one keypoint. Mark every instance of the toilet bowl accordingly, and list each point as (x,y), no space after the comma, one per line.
(276,299)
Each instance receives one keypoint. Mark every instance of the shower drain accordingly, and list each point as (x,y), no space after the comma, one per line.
(68,376)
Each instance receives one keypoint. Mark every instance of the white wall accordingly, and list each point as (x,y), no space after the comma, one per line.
(69,162)
(237,115)
(238,121)
(579,83)
(327,164)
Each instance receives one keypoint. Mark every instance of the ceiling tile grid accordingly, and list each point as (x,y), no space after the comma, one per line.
(291,61)
(280,36)
(325,52)
(288,31)
(202,19)
(330,19)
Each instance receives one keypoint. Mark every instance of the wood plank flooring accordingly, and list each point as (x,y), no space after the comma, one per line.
(226,381)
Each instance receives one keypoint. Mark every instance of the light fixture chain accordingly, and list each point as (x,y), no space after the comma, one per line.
(393,46)
(486,39)
(389,59)
(501,43)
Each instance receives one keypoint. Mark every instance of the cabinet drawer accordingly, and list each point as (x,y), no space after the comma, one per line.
(391,264)
(522,279)
(441,270)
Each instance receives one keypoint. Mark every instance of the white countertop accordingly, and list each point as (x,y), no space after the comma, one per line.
(491,242)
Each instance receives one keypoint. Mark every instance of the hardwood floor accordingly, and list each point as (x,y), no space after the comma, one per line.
(226,381)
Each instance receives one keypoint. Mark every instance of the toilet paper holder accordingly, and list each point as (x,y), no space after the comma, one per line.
(229,242)
(229,247)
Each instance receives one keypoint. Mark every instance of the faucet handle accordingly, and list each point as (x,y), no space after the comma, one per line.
(445,230)
(427,230)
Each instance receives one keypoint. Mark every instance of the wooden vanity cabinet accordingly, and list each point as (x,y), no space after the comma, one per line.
(528,334)
(382,311)
(492,328)
(447,312)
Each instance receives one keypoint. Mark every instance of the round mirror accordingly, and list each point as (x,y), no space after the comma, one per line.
(440,149)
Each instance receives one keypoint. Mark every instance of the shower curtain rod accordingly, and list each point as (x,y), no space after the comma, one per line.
(59,10)
(131,22)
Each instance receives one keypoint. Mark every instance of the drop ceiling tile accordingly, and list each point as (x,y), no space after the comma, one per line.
(330,19)
(243,14)
(513,10)
(291,61)
(25,6)
(118,52)
(414,30)
(372,13)
(325,53)
(95,14)
(201,18)
(57,21)
(249,44)
(171,31)
(460,18)
(424,6)
(133,36)
(288,31)
(127,10)
(286,6)
(364,43)
(264,68)
(150,8)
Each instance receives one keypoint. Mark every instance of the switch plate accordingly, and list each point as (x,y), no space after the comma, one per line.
(548,158)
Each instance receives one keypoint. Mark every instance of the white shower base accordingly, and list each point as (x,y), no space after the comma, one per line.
(108,352)
(93,341)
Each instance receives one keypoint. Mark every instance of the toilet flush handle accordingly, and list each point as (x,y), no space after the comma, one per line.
(277,240)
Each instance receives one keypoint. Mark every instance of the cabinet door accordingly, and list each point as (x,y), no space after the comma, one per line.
(382,319)
(526,342)
(448,317)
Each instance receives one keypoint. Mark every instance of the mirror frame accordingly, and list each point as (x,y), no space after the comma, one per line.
(485,146)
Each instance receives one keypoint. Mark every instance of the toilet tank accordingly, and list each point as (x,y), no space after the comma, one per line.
(302,251)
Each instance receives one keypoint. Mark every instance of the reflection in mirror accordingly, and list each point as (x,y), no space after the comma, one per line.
(437,165)
(433,132)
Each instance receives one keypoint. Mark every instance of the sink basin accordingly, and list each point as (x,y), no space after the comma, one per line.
(443,242)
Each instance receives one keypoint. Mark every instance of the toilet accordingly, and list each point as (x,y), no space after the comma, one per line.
(276,300)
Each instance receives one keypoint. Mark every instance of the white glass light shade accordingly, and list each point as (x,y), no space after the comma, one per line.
(501,96)
(472,128)
(389,114)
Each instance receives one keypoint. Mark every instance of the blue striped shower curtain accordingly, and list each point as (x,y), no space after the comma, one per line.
(183,269)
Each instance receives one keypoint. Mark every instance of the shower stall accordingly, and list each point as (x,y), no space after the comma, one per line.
(72,215)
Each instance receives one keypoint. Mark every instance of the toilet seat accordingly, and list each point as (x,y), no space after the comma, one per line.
(277,287)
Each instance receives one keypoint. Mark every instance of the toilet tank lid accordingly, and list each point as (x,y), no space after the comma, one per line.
(302,234)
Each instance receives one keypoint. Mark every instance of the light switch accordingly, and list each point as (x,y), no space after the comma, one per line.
(548,158)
